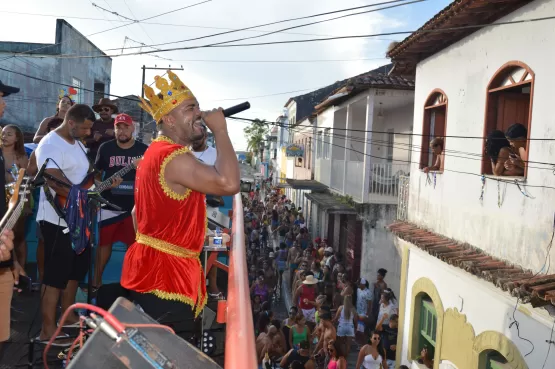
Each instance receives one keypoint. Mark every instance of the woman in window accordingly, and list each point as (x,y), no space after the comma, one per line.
(437,148)
(372,355)
(517,135)
(499,150)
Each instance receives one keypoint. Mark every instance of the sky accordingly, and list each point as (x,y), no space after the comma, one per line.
(226,76)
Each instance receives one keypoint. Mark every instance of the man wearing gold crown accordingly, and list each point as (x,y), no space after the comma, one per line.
(162,268)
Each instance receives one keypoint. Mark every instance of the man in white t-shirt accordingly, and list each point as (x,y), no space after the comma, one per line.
(68,162)
(208,155)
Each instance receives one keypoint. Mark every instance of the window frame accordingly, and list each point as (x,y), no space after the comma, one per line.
(429,106)
(426,309)
(319,144)
(79,97)
(498,76)
(327,143)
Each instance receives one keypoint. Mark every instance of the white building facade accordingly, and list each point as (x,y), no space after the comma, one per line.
(472,243)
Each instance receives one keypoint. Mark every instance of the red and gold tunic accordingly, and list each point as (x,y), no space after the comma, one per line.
(170,233)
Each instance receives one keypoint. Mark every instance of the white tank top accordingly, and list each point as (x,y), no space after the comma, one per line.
(371,363)
(342,319)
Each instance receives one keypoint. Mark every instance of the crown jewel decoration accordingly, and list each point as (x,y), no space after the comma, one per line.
(171,94)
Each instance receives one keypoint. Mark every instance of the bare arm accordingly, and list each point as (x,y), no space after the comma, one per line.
(32,168)
(360,358)
(291,336)
(296,297)
(285,357)
(337,314)
(134,217)
(41,132)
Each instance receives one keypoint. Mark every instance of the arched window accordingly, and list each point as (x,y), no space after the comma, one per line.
(491,359)
(433,126)
(509,101)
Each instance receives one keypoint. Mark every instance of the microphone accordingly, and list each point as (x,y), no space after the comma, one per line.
(39,178)
(236,109)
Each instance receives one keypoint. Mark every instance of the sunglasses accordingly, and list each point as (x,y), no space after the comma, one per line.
(106,109)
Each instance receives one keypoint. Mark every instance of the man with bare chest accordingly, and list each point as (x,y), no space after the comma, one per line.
(327,334)
(269,343)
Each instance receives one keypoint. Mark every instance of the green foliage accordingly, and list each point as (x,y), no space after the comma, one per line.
(256,134)
(346,199)
(249,158)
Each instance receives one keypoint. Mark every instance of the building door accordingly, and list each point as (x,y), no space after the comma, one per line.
(343,232)
(353,253)
(331,226)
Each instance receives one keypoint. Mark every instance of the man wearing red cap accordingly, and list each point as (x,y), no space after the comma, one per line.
(113,156)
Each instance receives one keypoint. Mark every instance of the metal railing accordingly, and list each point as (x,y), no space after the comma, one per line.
(403,203)
(384,178)
(240,350)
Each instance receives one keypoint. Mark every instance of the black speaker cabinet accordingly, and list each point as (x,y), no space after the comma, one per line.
(141,348)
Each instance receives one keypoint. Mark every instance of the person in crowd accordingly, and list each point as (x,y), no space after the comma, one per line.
(379,286)
(261,288)
(300,355)
(517,135)
(15,158)
(266,345)
(303,238)
(327,332)
(279,340)
(337,357)
(387,309)
(281,261)
(317,270)
(253,275)
(364,308)
(299,277)
(54,121)
(372,355)
(269,272)
(103,128)
(499,150)
(329,257)
(292,256)
(436,145)
(256,307)
(264,318)
(9,276)
(390,339)
(289,322)
(32,170)
(63,268)
(208,155)
(274,223)
(112,156)
(298,332)
(346,317)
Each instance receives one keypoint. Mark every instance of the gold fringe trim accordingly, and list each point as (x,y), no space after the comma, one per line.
(162,138)
(162,179)
(172,296)
(166,247)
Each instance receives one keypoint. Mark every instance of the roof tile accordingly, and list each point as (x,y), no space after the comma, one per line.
(539,290)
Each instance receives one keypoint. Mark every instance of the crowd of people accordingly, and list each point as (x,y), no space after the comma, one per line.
(331,315)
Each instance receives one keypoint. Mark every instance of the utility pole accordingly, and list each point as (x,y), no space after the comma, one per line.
(144,68)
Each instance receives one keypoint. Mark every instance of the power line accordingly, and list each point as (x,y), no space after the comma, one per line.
(168,24)
(278,61)
(106,30)
(445,170)
(403,3)
(418,149)
(290,126)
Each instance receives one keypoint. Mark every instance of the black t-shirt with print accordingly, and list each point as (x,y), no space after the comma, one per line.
(110,159)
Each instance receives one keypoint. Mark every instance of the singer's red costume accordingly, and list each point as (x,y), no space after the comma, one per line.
(171,228)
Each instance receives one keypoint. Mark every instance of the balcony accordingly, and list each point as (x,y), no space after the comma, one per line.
(384,182)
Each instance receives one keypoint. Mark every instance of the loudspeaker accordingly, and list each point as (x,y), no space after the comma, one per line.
(140,347)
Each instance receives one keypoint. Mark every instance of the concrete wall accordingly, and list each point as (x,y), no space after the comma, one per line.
(519,228)
(378,246)
(304,135)
(38,99)
(486,307)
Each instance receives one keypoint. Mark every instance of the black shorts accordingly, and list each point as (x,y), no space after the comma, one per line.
(61,263)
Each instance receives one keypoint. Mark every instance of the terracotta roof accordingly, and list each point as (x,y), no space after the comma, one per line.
(425,42)
(365,81)
(539,290)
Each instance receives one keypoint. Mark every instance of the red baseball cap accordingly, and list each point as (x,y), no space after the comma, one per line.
(123,118)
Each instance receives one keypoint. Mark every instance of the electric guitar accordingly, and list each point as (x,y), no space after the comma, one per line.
(21,190)
(89,183)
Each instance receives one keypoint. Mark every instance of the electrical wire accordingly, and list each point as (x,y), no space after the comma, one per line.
(445,170)
(226,45)
(106,30)
(168,24)
(549,343)
(403,3)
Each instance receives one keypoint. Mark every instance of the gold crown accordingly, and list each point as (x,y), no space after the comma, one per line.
(171,95)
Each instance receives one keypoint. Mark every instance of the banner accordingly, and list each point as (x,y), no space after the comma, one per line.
(294,151)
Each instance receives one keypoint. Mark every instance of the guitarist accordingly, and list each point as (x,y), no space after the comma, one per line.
(112,156)
(8,272)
